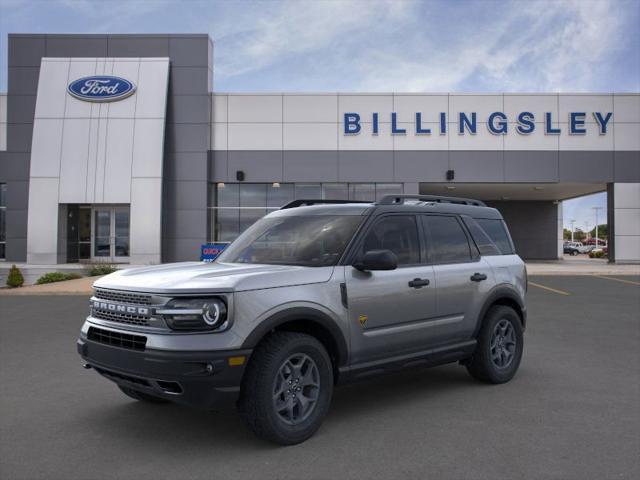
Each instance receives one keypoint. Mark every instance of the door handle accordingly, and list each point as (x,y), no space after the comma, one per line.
(478,277)
(419,282)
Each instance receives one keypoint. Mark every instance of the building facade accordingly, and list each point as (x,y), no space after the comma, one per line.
(116,148)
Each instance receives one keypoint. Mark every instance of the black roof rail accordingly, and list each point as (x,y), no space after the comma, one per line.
(308,202)
(400,199)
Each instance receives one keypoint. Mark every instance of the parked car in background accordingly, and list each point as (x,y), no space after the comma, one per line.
(572,248)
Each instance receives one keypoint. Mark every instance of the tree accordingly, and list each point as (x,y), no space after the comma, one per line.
(566,234)
(603,231)
(15,278)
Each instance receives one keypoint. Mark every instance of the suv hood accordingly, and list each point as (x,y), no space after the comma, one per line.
(200,277)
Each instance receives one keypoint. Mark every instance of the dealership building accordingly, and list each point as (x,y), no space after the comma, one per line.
(117,148)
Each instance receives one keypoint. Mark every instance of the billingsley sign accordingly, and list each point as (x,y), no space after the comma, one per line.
(101,88)
(497,123)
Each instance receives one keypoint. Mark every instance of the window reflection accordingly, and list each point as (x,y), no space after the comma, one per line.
(234,207)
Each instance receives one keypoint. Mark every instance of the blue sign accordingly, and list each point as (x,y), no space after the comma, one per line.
(101,88)
(497,123)
(210,251)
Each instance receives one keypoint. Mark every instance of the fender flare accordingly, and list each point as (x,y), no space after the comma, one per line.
(499,292)
(305,314)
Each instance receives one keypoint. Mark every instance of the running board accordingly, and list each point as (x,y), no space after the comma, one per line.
(425,358)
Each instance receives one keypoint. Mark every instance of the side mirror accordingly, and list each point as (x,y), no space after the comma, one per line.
(377,260)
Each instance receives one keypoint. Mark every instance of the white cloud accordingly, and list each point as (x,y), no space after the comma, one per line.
(382,46)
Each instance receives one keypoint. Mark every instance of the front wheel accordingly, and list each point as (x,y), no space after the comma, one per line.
(287,388)
(499,349)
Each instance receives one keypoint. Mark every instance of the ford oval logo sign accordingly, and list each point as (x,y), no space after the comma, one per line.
(101,88)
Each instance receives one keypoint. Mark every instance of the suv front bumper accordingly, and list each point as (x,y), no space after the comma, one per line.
(206,380)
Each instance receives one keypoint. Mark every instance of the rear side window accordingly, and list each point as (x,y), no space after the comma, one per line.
(397,233)
(497,231)
(483,242)
(447,241)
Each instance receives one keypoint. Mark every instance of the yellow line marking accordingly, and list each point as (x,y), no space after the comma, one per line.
(631,282)
(559,292)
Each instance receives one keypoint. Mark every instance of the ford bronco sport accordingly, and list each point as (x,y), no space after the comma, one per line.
(317,293)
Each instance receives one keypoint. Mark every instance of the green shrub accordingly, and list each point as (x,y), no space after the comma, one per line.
(101,269)
(52,277)
(15,278)
(596,254)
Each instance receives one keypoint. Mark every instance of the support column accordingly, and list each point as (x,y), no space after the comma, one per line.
(623,205)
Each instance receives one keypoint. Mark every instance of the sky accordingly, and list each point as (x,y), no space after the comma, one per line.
(377,45)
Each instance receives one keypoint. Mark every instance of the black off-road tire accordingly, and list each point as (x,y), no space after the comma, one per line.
(256,403)
(141,396)
(483,364)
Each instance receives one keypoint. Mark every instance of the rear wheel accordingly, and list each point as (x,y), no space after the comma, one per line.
(499,349)
(141,396)
(287,388)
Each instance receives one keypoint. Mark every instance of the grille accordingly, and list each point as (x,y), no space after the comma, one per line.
(117,339)
(123,297)
(127,318)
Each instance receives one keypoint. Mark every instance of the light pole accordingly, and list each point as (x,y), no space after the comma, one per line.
(596,210)
(572,222)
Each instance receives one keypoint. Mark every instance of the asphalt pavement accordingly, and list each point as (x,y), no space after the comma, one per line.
(572,411)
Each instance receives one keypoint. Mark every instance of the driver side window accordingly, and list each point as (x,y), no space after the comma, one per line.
(397,233)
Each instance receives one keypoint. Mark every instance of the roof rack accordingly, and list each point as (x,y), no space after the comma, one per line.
(400,199)
(306,203)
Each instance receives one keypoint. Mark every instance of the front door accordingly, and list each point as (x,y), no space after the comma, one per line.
(391,312)
(111,234)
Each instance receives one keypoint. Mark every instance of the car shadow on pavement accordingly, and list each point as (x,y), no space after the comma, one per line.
(154,424)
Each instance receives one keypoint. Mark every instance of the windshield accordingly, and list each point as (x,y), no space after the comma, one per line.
(309,241)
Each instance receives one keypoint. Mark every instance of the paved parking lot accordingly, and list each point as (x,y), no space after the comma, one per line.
(573,410)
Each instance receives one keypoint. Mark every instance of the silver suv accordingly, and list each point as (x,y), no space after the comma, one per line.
(315,294)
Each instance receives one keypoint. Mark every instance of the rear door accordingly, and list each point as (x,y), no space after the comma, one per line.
(389,311)
(462,278)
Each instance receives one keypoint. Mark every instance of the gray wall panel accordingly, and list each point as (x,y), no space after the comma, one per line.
(22,108)
(17,247)
(23,80)
(185,223)
(218,166)
(189,51)
(626,166)
(185,166)
(19,137)
(188,109)
(533,226)
(365,166)
(17,195)
(258,166)
(15,167)
(185,195)
(428,166)
(529,166)
(16,222)
(26,50)
(76,46)
(309,166)
(477,166)
(138,46)
(188,80)
(586,166)
(187,137)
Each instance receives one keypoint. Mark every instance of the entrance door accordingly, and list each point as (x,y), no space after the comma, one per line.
(111,234)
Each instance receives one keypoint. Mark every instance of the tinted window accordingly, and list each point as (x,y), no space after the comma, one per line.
(309,241)
(447,240)
(497,232)
(483,242)
(398,234)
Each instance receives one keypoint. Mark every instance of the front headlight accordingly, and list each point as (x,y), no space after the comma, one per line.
(195,313)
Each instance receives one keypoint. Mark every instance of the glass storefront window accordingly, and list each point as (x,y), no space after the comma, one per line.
(3,217)
(234,207)
(362,192)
